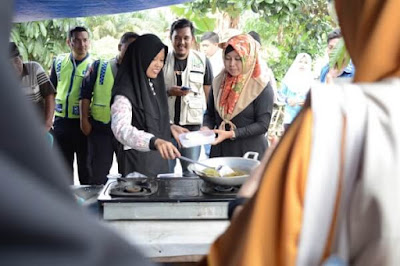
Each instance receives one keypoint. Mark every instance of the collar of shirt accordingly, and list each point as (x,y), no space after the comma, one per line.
(349,68)
(77,62)
(25,71)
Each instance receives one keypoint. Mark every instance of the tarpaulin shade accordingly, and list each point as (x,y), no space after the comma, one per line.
(33,10)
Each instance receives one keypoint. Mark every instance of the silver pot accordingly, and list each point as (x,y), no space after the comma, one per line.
(244,164)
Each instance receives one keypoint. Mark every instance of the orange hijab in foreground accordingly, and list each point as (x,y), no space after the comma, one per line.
(372,35)
(267,230)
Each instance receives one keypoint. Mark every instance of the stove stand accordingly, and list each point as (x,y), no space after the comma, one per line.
(175,219)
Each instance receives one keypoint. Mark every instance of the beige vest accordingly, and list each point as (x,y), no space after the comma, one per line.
(194,103)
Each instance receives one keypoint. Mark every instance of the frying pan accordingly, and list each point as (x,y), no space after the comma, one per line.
(244,163)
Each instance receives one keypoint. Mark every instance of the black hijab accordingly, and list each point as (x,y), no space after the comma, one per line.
(149,111)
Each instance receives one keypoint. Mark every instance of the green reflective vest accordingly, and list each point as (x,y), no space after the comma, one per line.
(69,81)
(100,105)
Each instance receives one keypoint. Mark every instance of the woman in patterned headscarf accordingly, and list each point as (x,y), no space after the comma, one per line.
(332,186)
(241,101)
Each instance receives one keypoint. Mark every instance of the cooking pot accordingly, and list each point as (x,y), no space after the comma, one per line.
(244,163)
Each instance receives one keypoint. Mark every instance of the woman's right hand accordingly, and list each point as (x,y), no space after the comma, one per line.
(166,149)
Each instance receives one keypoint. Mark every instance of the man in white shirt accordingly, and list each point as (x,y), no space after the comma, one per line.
(209,46)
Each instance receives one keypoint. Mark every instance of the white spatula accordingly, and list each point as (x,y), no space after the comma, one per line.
(222,170)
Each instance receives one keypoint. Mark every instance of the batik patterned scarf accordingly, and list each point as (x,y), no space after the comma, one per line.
(232,87)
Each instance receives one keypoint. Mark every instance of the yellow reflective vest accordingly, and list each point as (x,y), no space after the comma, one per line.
(69,81)
(100,105)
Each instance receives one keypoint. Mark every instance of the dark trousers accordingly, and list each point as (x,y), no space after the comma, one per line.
(71,140)
(101,147)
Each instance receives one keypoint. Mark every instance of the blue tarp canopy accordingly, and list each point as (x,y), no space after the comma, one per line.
(33,10)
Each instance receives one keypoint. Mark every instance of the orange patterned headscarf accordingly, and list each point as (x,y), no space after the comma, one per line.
(371,29)
(232,87)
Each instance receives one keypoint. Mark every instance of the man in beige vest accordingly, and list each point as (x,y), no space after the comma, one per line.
(188,78)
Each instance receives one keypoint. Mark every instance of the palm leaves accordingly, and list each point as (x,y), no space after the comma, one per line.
(41,41)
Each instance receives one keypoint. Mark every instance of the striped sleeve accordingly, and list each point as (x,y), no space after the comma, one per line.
(44,83)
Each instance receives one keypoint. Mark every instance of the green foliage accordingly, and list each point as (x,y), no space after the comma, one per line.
(288,26)
(279,8)
(304,29)
(201,21)
(233,7)
(115,25)
(42,40)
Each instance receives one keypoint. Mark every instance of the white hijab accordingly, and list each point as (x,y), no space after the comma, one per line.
(299,80)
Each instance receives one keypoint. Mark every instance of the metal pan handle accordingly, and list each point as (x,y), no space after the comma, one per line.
(251,153)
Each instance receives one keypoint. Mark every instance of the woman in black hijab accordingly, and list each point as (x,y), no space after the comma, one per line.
(139,111)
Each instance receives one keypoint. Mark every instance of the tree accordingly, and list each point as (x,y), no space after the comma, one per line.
(116,25)
(228,11)
(291,26)
(294,30)
(201,23)
(42,40)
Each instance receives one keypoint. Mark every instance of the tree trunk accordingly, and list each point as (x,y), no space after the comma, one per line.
(234,22)
(225,21)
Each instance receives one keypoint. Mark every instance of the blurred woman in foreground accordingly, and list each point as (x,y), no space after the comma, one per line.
(332,184)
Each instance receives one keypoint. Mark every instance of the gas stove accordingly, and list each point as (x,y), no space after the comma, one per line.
(164,198)
(168,216)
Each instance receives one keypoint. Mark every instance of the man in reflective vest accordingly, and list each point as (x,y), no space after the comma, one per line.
(95,112)
(67,74)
